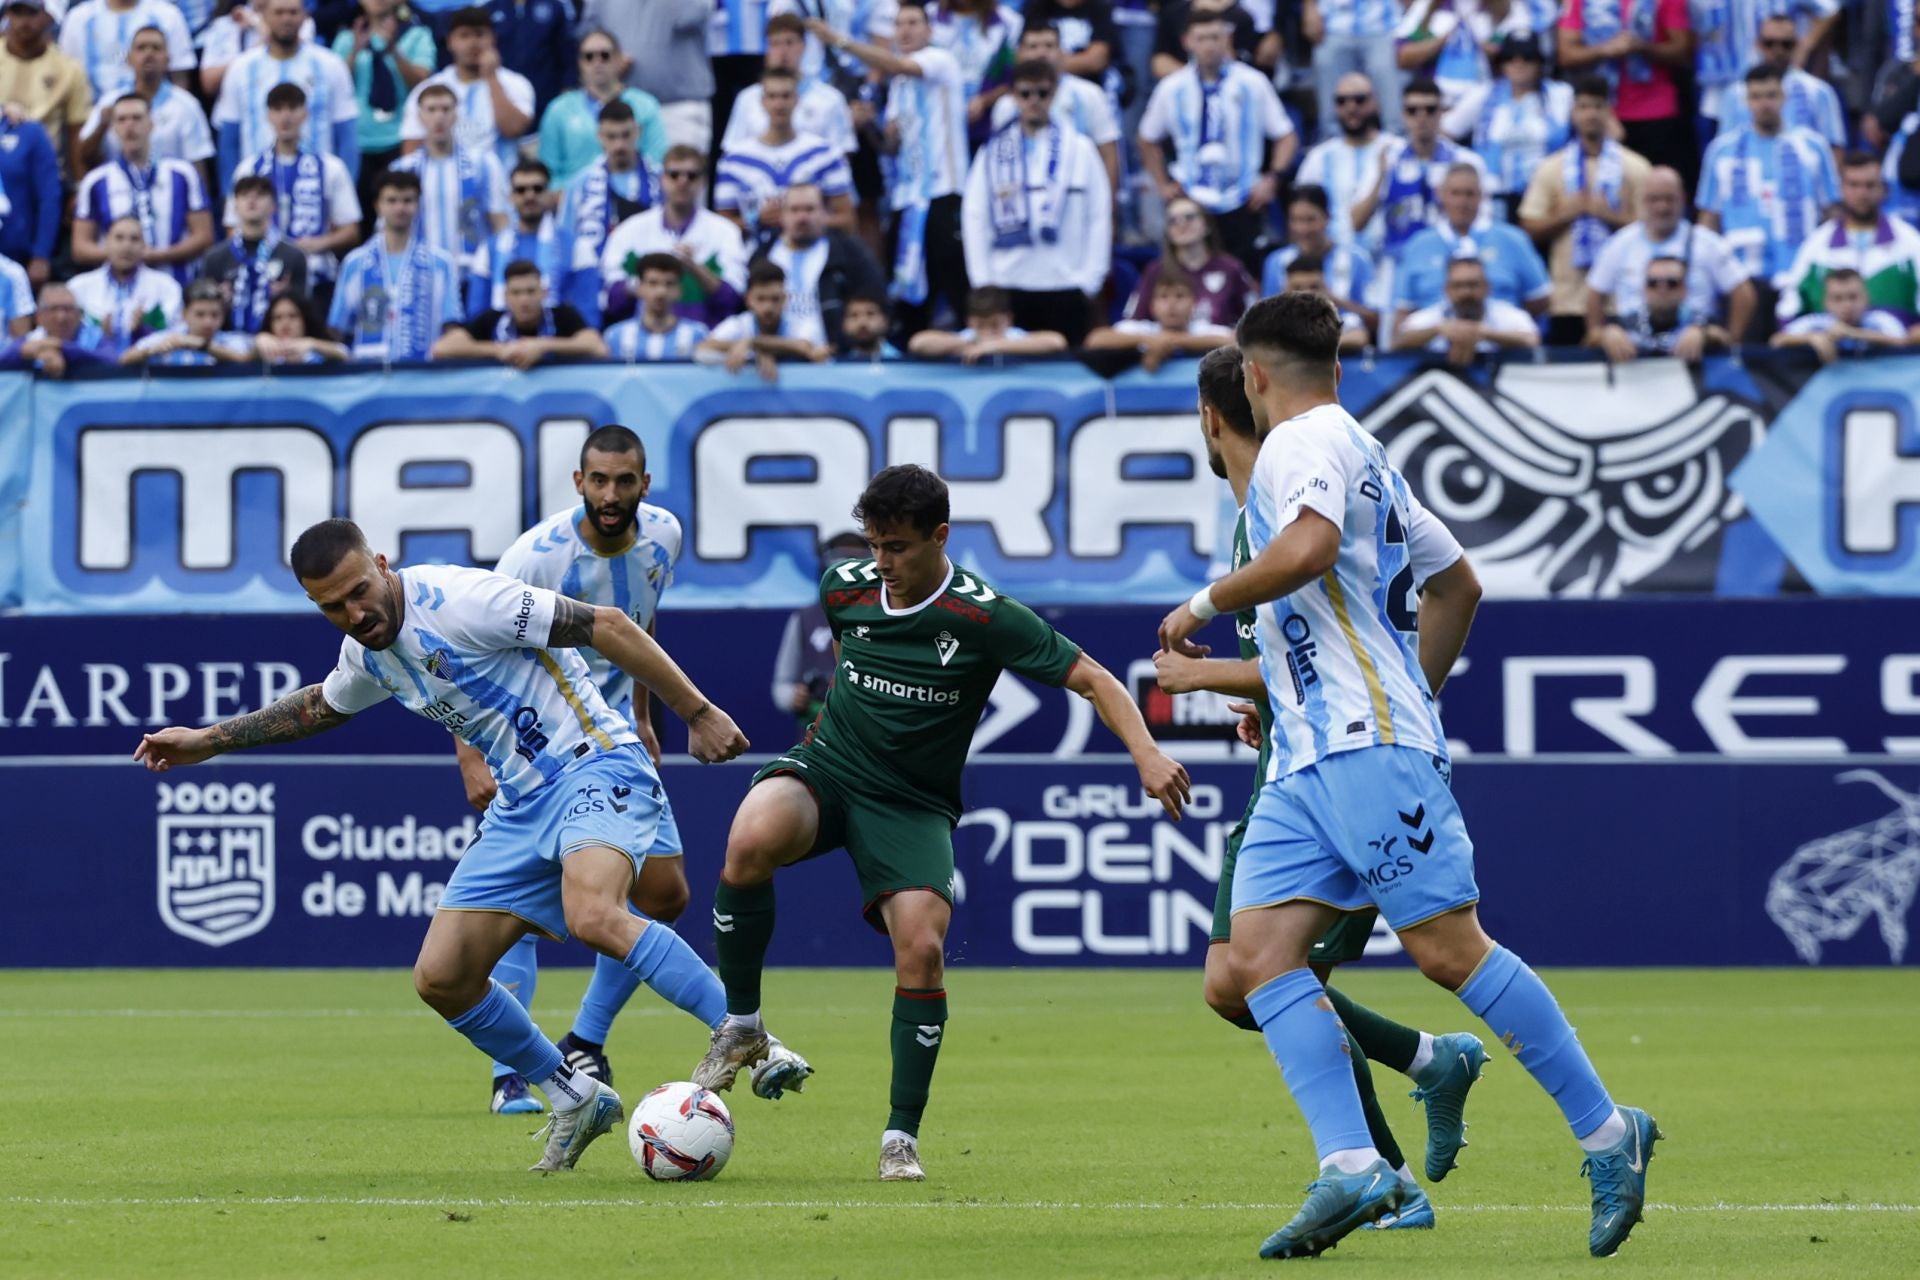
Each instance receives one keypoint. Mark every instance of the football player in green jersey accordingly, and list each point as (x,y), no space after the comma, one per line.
(1444,1067)
(919,644)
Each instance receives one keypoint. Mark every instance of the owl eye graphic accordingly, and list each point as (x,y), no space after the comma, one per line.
(1558,484)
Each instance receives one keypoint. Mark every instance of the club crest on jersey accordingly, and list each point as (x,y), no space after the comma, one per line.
(440,664)
(946,646)
(860,633)
(215,870)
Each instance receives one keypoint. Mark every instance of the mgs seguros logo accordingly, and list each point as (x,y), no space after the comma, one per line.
(215,881)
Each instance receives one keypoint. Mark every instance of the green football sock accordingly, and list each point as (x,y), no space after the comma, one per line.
(919,1025)
(742,928)
(1383,1140)
(1381,1039)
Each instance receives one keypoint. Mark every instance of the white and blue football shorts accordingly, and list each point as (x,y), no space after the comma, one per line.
(612,798)
(1375,825)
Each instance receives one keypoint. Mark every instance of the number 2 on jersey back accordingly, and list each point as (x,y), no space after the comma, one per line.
(1403,597)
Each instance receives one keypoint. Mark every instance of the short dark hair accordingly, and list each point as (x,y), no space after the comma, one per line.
(907,494)
(309,325)
(1760,72)
(1664,257)
(1424,86)
(319,551)
(988,300)
(1859,160)
(254,183)
(1172,276)
(1841,274)
(765,272)
(1198,17)
(787,24)
(1223,389)
(618,112)
(1046,28)
(1465,260)
(1302,328)
(1593,87)
(1034,71)
(778,73)
(397,180)
(471,16)
(286,94)
(1311,193)
(613,438)
(921,5)
(659,262)
(127,97)
(528,164)
(521,267)
(878,297)
(438,90)
(1306,262)
(685,151)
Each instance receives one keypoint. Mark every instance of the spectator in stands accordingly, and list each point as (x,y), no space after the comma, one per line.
(240,29)
(1075,102)
(1306,273)
(41,83)
(1515,274)
(926,133)
(1468,321)
(1809,102)
(198,338)
(288,337)
(16,299)
(1347,271)
(570,126)
(1580,195)
(1846,325)
(95,34)
(1172,330)
(1448,41)
(1718,287)
(54,344)
(316,204)
(166,197)
(1859,237)
(982,36)
(463,190)
(614,188)
(754,173)
(990,331)
(387,51)
(1765,186)
(823,266)
(396,292)
(1213,110)
(707,244)
(254,265)
(524,332)
(1404,186)
(863,330)
(123,300)
(1353,36)
(241,116)
(180,129)
(533,236)
(1088,35)
(1347,163)
(537,39)
(656,331)
(1641,47)
(1037,214)
(804,666)
(676,70)
(763,334)
(822,110)
(1664,323)
(1731,35)
(1259,47)
(1222,287)
(736,50)
(1515,121)
(496,104)
(30,176)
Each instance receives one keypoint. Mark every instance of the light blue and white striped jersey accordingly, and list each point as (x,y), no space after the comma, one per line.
(983,53)
(753,172)
(180,129)
(737,27)
(1811,104)
(543,247)
(471,656)
(316,69)
(1770,193)
(391,306)
(196,12)
(98,38)
(1361,17)
(1725,32)
(161,197)
(1340,656)
(1348,272)
(459,194)
(930,110)
(16,293)
(1220,131)
(634,342)
(474,123)
(1346,173)
(190,357)
(553,555)
(1513,135)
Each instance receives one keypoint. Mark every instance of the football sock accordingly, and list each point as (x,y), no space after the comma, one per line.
(519,972)
(665,962)
(919,1025)
(502,1030)
(1422,1058)
(742,928)
(1611,1130)
(1406,1176)
(1350,1160)
(1305,1038)
(1383,1139)
(1522,1014)
(612,985)
(1381,1039)
(566,1088)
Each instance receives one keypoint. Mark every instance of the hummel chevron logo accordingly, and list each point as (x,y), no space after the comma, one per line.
(965,585)
(1414,820)
(929,1037)
(722,922)
(1423,843)
(438,596)
(858,571)
(946,646)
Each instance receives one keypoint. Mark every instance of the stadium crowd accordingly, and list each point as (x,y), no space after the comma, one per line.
(744,182)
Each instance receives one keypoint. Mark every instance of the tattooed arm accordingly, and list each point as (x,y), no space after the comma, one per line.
(298,715)
(712,733)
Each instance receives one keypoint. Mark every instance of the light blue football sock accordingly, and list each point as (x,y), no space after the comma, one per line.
(502,1030)
(1523,1015)
(519,972)
(607,994)
(665,962)
(1307,1040)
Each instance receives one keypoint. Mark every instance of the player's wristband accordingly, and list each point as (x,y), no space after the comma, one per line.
(1202,606)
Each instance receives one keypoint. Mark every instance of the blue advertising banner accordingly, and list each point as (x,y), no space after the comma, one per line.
(1561,479)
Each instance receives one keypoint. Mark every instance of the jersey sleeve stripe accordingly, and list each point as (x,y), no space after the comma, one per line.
(1376,692)
(568,692)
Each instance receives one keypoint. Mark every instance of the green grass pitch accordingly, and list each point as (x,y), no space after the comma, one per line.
(1083,1124)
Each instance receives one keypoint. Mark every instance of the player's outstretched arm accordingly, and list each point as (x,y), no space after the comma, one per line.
(712,735)
(1237,677)
(1163,777)
(298,715)
(1447,603)
(1305,549)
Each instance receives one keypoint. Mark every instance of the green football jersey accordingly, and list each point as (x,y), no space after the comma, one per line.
(911,685)
(1244,624)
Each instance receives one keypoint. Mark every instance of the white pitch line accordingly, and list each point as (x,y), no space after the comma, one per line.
(1048,1206)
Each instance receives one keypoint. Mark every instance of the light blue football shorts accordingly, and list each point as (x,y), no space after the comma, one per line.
(612,798)
(1374,825)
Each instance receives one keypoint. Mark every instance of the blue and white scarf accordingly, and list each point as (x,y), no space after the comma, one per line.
(910,257)
(253,287)
(599,200)
(505,330)
(1589,233)
(299,193)
(305,69)
(542,249)
(1606,19)
(459,231)
(395,296)
(1020,214)
(1790,195)
(1900,19)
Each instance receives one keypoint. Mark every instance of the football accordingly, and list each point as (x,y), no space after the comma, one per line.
(681,1133)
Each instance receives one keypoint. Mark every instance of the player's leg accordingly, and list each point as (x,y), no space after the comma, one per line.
(519,972)
(594,884)
(917,921)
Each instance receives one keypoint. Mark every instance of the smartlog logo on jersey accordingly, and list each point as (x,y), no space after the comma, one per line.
(215,845)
